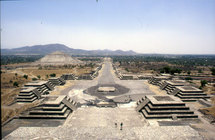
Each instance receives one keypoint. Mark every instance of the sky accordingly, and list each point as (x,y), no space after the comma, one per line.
(144,26)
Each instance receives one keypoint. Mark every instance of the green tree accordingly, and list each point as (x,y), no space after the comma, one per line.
(38,76)
(34,79)
(203,83)
(52,75)
(25,76)
(15,84)
(213,71)
(188,78)
(167,69)
(188,72)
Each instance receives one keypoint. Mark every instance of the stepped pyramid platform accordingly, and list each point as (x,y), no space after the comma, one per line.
(190,93)
(57,81)
(85,77)
(52,107)
(163,107)
(158,80)
(170,86)
(28,95)
(43,86)
(68,76)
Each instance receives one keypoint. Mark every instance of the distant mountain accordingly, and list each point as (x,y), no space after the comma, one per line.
(49,48)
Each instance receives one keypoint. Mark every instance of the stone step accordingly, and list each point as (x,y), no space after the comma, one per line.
(167,107)
(64,116)
(167,111)
(165,116)
(189,100)
(25,97)
(191,97)
(191,94)
(27,100)
(53,108)
(26,94)
(47,112)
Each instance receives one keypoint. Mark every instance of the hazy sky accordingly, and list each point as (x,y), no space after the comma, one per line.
(145,26)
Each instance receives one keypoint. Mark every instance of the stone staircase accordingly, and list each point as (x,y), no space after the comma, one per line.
(52,107)
(163,107)
(57,81)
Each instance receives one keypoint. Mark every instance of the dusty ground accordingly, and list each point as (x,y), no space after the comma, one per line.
(9,91)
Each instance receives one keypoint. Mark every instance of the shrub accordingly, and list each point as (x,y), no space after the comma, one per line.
(25,76)
(188,78)
(15,84)
(38,76)
(52,75)
(203,83)
(213,71)
(34,79)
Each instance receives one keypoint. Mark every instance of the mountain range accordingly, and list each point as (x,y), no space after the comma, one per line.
(49,48)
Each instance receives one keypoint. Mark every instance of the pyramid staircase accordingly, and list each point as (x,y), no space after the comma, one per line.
(28,95)
(163,107)
(52,107)
(57,81)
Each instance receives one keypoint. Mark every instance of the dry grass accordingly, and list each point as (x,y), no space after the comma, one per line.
(155,89)
(210,110)
(44,72)
(8,91)
(8,112)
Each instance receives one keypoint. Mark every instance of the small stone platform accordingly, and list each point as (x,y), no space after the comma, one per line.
(52,107)
(163,107)
(170,86)
(28,95)
(158,80)
(106,89)
(57,81)
(190,93)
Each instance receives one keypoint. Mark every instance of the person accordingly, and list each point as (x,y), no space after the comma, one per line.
(121,125)
(116,125)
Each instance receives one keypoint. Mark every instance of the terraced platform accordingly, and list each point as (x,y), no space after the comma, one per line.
(28,95)
(68,76)
(53,107)
(190,94)
(57,81)
(163,107)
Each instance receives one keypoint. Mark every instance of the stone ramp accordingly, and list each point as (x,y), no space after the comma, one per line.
(52,107)
(163,107)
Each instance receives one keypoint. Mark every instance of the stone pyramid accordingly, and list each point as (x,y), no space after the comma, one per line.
(58,58)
